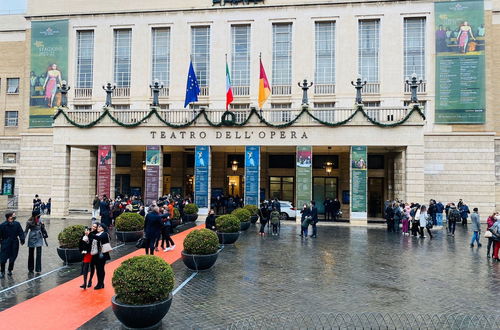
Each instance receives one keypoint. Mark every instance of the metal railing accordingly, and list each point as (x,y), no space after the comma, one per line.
(164,92)
(204,91)
(241,90)
(121,92)
(281,89)
(341,320)
(422,88)
(371,88)
(12,202)
(324,89)
(83,93)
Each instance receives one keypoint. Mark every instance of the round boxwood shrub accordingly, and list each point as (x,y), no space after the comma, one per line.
(69,238)
(201,241)
(227,223)
(129,221)
(177,213)
(143,280)
(191,208)
(242,214)
(252,208)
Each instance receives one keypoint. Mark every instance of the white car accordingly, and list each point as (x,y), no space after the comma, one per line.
(288,211)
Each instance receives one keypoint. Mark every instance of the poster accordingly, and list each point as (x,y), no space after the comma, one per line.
(359,168)
(104,158)
(152,186)
(252,175)
(201,175)
(49,66)
(304,176)
(460,62)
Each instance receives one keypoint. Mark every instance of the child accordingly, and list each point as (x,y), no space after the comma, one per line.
(275,220)
(85,247)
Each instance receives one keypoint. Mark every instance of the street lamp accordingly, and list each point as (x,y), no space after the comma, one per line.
(155,88)
(359,84)
(143,165)
(64,89)
(108,88)
(414,83)
(328,167)
(305,87)
(234,166)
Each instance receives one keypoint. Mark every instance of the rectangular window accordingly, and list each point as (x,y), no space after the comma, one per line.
(121,106)
(11,118)
(325,53)
(324,105)
(9,158)
(200,49)
(82,107)
(282,54)
(319,161)
(281,161)
(376,162)
(282,188)
(12,85)
(123,160)
(8,185)
(368,49)
(122,63)
(167,160)
(240,55)
(161,55)
(238,158)
(239,106)
(84,59)
(414,47)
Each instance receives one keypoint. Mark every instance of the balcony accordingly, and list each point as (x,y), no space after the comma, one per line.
(324,89)
(241,90)
(281,90)
(83,93)
(164,92)
(371,88)
(422,88)
(204,91)
(121,92)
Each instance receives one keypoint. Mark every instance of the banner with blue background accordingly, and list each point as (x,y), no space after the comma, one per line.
(252,175)
(201,175)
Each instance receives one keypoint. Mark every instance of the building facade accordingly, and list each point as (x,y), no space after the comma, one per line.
(445,149)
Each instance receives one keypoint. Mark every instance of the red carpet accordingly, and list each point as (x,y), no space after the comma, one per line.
(68,306)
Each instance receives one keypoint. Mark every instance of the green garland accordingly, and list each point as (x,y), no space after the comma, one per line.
(229,119)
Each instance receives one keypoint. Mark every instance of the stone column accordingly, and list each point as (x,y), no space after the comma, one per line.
(400,176)
(82,178)
(60,180)
(414,184)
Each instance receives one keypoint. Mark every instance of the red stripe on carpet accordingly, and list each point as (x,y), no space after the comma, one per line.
(67,306)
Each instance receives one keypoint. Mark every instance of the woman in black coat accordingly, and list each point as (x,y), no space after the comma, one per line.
(210,220)
(100,245)
(85,245)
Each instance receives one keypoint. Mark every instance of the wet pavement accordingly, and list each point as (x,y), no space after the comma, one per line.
(346,269)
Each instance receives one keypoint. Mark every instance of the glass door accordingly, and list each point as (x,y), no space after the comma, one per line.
(323,188)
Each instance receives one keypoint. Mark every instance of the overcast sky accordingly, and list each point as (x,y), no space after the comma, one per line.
(12,6)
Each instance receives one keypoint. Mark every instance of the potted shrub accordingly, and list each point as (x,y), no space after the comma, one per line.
(190,213)
(201,249)
(228,228)
(244,216)
(143,287)
(129,227)
(253,211)
(69,239)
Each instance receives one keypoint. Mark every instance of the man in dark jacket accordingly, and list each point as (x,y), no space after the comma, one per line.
(11,233)
(453,217)
(432,211)
(96,203)
(439,213)
(314,219)
(152,228)
(327,204)
(389,217)
(335,208)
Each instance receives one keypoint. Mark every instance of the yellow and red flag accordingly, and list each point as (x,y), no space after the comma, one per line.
(264,88)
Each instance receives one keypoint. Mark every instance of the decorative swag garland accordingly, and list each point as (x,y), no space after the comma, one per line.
(228,118)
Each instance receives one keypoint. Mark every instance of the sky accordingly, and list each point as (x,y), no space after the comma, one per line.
(12,6)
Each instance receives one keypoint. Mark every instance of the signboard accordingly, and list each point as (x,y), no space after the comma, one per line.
(359,168)
(49,66)
(201,175)
(252,175)
(460,62)
(304,176)
(104,158)
(152,187)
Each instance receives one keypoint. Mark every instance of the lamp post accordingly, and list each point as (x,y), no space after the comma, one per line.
(234,166)
(359,84)
(64,89)
(414,83)
(155,88)
(305,86)
(108,88)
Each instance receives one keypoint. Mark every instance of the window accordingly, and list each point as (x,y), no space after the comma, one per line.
(122,45)
(189,160)
(368,48)
(195,106)
(239,106)
(414,47)
(121,106)
(11,118)
(371,104)
(9,158)
(319,161)
(281,105)
(167,160)
(123,160)
(82,107)
(240,55)
(12,85)
(281,161)
(236,157)
(282,54)
(325,53)
(324,105)
(85,59)
(376,162)
(165,106)
(282,187)
(8,186)
(161,55)
(200,49)
(423,103)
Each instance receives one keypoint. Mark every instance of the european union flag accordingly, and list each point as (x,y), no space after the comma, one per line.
(192,88)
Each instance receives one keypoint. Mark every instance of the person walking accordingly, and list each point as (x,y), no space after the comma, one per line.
(495,230)
(165,234)
(476,227)
(389,217)
(453,218)
(489,224)
(414,221)
(464,213)
(100,251)
(105,211)
(84,246)
(11,233)
(439,213)
(36,234)
(335,209)
(423,218)
(406,220)
(314,219)
(95,207)
(304,220)
(327,204)
(275,220)
(210,220)
(264,216)
(398,216)
(152,228)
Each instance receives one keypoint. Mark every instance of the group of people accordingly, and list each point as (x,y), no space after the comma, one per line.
(309,216)
(226,204)
(332,209)
(43,207)
(95,247)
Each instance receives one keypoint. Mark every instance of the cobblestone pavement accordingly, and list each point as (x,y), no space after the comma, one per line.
(346,269)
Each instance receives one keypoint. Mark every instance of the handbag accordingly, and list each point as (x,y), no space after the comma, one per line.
(94,250)
(106,247)
(488,234)
(141,243)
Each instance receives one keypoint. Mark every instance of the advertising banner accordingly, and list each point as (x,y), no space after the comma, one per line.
(104,158)
(460,62)
(49,66)
(201,175)
(304,176)
(252,175)
(359,191)
(153,161)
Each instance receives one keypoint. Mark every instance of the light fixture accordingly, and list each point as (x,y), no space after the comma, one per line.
(328,167)
(234,165)
(143,165)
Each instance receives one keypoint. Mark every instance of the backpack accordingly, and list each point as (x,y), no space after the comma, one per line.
(454,215)
(275,217)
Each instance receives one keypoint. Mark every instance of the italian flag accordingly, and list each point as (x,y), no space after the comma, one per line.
(264,88)
(229,90)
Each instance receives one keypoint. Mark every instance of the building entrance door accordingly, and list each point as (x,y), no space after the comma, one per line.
(234,185)
(375,197)
(122,184)
(323,188)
